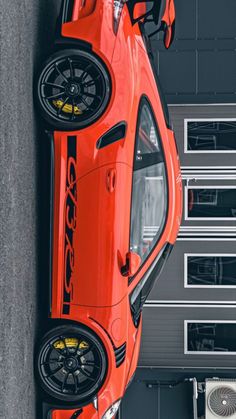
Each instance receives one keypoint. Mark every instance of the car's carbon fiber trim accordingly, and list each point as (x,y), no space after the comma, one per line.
(120,354)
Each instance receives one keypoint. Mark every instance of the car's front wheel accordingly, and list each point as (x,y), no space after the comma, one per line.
(73,89)
(71,363)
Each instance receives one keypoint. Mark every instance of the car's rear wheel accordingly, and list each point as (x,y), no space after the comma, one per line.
(73,89)
(71,364)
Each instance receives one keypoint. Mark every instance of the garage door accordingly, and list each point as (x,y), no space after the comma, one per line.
(200,67)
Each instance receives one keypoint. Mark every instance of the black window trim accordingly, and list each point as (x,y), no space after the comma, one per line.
(155,269)
(144,99)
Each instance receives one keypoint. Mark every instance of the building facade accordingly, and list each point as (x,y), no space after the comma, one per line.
(189,320)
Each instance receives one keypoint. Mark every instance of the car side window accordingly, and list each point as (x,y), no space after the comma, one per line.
(145,285)
(149,190)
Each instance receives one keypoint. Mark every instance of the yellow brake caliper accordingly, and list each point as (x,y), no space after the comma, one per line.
(67,108)
(71,343)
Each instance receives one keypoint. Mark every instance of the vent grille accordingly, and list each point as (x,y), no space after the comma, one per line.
(120,354)
(222,401)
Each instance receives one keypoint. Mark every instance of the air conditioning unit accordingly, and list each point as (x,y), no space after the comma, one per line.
(220,399)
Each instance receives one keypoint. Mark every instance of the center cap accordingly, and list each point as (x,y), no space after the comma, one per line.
(73,89)
(71,363)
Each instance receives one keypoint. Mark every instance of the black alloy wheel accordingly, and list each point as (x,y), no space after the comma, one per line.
(71,364)
(73,89)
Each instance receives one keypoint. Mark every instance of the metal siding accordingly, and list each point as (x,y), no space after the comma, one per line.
(200,66)
(170,285)
(163,337)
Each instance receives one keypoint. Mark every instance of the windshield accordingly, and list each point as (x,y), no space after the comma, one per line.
(149,193)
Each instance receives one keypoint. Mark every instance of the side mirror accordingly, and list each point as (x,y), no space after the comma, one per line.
(169,34)
(133,263)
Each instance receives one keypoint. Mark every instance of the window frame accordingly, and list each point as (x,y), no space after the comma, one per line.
(187,120)
(186,210)
(144,100)
(210,353)
(187,285)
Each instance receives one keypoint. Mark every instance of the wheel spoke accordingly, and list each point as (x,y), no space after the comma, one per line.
(59,113)
(91,95)
(86,374)
(58,86)
(86,351)
(93,105)
(57,95)
(85,72)
(84,102)
(72,73)
(54,372)
(89,83)
(76,382)
(72,118)
(62,338)
(55,349)
(60,73)
(91,364)
(64,381)
(52,361)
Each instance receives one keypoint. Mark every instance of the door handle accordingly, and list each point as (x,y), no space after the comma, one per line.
(111,180)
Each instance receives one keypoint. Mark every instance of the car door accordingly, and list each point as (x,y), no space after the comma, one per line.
(149,187)
(149,204)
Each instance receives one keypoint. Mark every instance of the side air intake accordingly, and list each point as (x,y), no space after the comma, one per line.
(116,133)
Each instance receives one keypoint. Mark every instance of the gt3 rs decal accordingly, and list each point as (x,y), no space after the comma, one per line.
(70,222)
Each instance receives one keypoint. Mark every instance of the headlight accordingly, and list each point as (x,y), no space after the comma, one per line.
(110,413)
(118,7)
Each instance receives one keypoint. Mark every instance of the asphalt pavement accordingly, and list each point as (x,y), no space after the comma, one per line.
(26,33)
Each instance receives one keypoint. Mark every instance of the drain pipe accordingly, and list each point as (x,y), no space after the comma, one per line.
(195,396)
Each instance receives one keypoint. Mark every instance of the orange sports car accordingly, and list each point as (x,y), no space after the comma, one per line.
(116,201)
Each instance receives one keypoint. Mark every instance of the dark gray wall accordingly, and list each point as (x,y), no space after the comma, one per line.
(200,67)
(163,337)
(159,394)
(171,287)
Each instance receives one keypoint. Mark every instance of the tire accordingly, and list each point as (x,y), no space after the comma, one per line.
(73,89)
(71,364)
